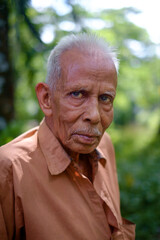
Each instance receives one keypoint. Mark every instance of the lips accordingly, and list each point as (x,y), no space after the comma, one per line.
(85,138)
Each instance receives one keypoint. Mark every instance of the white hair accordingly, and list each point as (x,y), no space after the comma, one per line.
(84,43)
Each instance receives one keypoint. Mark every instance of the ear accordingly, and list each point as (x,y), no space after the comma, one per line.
(44,98)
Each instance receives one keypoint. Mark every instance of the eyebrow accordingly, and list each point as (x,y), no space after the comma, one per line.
(113,94)
(76,87)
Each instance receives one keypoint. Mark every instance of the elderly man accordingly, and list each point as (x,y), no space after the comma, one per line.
(55,183)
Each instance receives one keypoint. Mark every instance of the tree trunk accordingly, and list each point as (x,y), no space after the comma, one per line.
(6,78)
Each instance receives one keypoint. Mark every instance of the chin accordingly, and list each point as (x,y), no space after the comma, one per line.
(80,148)
(85,150)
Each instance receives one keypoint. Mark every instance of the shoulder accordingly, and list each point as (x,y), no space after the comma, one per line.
(23,143)
(106,146)
(16,150)
(107,149)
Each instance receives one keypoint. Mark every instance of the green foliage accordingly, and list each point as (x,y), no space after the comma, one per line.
(139,180)
(137,153)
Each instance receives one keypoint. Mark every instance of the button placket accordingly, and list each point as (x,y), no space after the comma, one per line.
(90,194)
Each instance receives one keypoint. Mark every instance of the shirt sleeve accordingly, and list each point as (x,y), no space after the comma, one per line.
(6,199)
(126,231)
(3,232)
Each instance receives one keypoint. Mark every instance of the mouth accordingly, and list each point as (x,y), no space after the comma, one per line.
(84,138)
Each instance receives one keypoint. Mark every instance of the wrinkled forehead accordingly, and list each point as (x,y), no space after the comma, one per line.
(95,57)
(79,66)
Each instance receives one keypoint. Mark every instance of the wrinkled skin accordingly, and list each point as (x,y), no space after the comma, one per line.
(81,107)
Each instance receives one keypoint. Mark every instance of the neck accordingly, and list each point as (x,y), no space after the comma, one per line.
(74,156)
(83,164)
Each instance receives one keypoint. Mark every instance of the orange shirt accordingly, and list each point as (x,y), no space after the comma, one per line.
(44,196)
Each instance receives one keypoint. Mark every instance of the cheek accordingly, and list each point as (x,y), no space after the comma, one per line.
(70,113)
(67,120)
(106,119)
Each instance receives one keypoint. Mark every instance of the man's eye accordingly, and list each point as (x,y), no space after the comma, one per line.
(105,98)
(77,94)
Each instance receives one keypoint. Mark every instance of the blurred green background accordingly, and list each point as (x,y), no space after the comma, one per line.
(25,34)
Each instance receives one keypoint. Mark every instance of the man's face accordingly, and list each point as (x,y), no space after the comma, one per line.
(82,104)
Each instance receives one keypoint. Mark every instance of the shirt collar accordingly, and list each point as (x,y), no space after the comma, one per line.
(101,157)
(56,157)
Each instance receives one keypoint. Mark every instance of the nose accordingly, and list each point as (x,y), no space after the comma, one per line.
(92,112)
